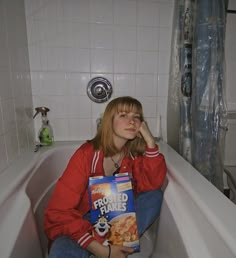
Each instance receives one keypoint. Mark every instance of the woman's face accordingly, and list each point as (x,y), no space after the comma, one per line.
(126,124)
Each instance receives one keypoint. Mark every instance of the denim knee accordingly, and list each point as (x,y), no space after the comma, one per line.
(148,207)
(64,247)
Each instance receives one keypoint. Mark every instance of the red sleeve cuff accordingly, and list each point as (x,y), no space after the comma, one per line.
(152,152)
(85,240)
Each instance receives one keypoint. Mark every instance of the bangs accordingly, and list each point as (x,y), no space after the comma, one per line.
(129,107)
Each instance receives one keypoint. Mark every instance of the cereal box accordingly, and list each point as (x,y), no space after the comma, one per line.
(112,210)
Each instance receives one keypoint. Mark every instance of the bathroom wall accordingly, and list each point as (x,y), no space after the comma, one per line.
(230,53)
(16,125)
(127,41)
(72,41)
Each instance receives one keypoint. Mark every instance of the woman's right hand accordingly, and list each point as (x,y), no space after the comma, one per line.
(120,251)
(102,251)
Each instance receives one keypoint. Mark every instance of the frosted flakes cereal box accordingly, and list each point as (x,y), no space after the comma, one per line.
(112,210)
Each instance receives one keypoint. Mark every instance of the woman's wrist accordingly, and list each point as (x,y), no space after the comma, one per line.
(98,249)
(151,144)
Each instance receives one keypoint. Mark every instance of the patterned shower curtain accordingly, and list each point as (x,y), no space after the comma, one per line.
(180,83)
(208,99)
(197,84)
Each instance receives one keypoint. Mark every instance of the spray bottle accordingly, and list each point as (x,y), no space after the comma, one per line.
(45,134)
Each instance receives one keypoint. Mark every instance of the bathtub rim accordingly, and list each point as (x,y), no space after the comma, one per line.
(11,180)
(205,195)
(209,199)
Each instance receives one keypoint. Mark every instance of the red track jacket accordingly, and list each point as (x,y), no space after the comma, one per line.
(70,202)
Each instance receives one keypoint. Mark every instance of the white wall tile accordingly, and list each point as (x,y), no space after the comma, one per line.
(12,146)
(77,83)
(152,125)
(5,91)
(4,55)
(82,60)
(119,40)
(48,11)
(147,62)
(163,83)
(80,36)
(94,127)
(101,61)
(3,39)
(164,62)
(165,39)
(8,113)
(148,14)
(55,60)
(147,38)
(97,110)
(162,106)
(18,84)
(1,120)
(146,85)
(124,61)
(31,133)
(124,84)
(54,83)
(79,107)
(125,12)
(62,36)
(52,33)
(125,37)
(79,129)
(33,32)
(163,128)
(43,52)
(75,10)
(166,14)
(231,37)
(35,58)
(23,139)
(101,36)
(15,89)
(70,55)
(3,154)
(20,115)
(149,106)
(60,127)
(36,82)
(101,11)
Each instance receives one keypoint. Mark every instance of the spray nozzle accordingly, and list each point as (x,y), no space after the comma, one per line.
(42,110)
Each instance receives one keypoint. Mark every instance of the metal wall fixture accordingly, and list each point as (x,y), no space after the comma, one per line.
(99,89)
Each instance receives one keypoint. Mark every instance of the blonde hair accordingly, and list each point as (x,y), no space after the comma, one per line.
(104,137)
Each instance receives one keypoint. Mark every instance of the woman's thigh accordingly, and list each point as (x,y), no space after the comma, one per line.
(148,206)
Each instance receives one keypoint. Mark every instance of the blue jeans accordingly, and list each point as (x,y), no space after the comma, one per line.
(148,206)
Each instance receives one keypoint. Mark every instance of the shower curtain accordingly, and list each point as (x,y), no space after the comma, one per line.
(197,84)
(208,99)
(180,83)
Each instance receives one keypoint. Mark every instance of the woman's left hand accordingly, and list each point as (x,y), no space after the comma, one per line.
(147,135)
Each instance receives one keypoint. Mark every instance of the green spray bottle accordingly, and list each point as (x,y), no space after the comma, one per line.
(45,134)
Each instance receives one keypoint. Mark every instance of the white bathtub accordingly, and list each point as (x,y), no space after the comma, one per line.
(196,219)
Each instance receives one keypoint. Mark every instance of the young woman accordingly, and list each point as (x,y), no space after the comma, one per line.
(123,144)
